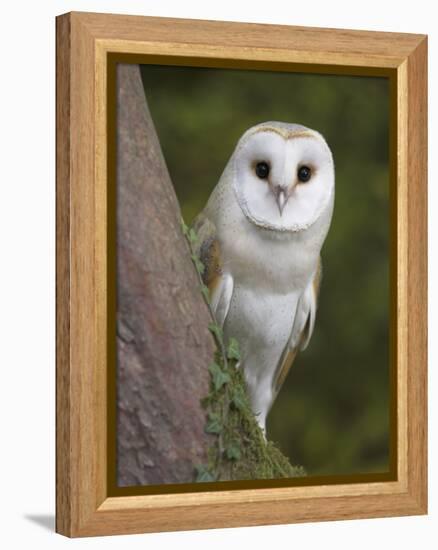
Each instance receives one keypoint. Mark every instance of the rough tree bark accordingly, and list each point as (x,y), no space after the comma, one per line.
(163,343)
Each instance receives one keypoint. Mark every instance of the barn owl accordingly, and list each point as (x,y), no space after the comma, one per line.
(260,237)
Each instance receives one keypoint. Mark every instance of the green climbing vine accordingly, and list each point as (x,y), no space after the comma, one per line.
(239,449)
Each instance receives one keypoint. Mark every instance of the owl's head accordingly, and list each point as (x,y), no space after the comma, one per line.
(283,176)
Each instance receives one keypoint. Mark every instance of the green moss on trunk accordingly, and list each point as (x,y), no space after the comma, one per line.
(240,450)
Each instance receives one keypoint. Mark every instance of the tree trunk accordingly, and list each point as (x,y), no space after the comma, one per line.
(163,343)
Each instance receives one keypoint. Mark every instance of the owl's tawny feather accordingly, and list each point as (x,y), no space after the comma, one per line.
(208,249)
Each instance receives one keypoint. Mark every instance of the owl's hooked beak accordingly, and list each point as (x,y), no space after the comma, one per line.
(281,196)
(281,200)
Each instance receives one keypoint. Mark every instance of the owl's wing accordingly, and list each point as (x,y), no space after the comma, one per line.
(302,329)
(219,282)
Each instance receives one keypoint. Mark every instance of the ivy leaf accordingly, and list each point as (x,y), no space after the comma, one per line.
(206,293)
(216,330)
(198,264)
(238,400)
(233,351)
(219,377)
(213,425)
(193,237)
(232,452)
(203,474)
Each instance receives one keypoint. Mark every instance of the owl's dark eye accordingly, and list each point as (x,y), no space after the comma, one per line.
(304,173)
(262,170)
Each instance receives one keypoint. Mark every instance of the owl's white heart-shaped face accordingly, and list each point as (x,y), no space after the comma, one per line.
(283,176)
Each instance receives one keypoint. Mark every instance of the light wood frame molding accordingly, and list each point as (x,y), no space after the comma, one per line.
(84,41)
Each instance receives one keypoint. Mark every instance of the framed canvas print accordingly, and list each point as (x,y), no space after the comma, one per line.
(241,274)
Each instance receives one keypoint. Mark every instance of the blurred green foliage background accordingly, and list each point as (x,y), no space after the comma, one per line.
(332,414)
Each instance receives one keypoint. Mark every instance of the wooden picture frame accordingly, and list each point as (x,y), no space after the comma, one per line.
(84,43)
